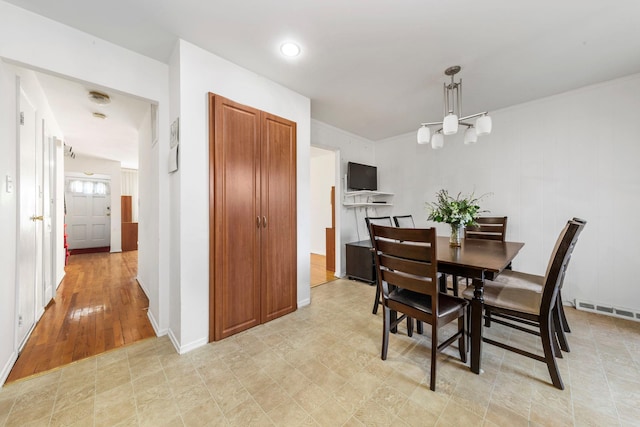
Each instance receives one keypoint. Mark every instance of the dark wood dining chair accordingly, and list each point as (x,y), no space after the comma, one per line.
(378,220)
(562,318)
(526,299)
(559,318)
(407,269)
(404,221)
(486,228)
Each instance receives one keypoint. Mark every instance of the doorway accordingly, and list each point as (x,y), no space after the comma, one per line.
(323,216)
(43,214)
(88,212)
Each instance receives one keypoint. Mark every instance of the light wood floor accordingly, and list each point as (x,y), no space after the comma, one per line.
(319,272)
(98,306)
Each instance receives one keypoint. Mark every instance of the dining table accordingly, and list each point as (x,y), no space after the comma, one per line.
(478,260)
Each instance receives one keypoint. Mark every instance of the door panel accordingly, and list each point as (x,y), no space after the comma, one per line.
(88,213)
(235,255)
(278,199)
(27,225)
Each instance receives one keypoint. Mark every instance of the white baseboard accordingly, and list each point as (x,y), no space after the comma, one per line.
(6,369)
(186,348)
(154,324)
(304,302)
(143,286)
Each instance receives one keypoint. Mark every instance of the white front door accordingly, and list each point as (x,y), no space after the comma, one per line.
(88,213)
(27,219)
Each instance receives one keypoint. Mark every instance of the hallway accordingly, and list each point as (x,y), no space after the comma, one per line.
(99,306)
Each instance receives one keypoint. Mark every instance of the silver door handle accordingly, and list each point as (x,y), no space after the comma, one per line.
(264,221)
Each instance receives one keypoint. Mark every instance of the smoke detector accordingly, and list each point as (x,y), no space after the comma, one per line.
(99,97)
(99,115)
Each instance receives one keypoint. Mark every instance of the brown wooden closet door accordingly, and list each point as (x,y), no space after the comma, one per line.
(278,203)
(235,180)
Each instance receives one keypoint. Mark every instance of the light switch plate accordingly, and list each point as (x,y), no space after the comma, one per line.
(9,184)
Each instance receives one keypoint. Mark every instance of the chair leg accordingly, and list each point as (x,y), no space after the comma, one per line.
(462,342)
(563,317)
(454,281)
(434,353)
(377,301)
(386,323)
(443,283)
(487,317)
(546,331)
(409,326)
(419,327)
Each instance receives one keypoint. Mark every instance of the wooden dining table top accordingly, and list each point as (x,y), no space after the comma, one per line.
(490,256)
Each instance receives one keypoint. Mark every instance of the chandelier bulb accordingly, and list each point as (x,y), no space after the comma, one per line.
(470,136)
(450,124)
(437,141)
(424,134)
(483,125)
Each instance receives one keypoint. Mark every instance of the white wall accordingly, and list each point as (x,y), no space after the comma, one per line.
(7,220)
(83,163)
(350,224)
(201,72)
(323,171)
(31,87)
(40,43)
(575,154)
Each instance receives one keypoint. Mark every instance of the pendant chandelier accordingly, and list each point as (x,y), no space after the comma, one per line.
(453,117)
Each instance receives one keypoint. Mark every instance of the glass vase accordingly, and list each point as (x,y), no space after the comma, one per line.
(456,234)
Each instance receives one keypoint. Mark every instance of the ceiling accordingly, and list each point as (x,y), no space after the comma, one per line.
(114,137)
(375,68)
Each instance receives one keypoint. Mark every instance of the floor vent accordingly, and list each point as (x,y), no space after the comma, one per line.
(623,313)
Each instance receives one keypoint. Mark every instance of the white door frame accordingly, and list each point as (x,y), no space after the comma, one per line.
(26,218)
(338,206)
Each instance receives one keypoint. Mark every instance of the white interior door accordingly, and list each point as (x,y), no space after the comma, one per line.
(47,226)
(88,213)
(27,219)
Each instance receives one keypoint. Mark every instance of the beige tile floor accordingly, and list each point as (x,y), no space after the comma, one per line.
(321,366)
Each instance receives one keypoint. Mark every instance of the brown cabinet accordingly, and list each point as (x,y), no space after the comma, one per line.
(360,264)
(252,217)
(128,229)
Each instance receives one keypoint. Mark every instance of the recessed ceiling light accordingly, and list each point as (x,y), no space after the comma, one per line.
(290,49)
(99,97)
(99,115)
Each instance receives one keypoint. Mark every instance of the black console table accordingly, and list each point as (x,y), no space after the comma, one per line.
(360,264)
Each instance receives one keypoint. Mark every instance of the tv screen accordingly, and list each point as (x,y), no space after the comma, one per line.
(361,177)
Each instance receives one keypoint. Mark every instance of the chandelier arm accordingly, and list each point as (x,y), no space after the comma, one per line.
(472,116)
(431,124)
(469,125)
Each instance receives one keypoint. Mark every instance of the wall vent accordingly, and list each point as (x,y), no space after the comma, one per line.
(623,313)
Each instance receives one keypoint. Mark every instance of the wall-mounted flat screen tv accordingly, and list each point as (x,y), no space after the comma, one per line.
(361,177)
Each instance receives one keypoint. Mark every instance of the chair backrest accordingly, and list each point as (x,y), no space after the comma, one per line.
(406,258)
(487,228)
(378,220)
(404,221)
(582,223)
(558,264)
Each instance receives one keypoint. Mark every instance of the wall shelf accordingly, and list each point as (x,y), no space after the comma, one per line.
(366,198)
